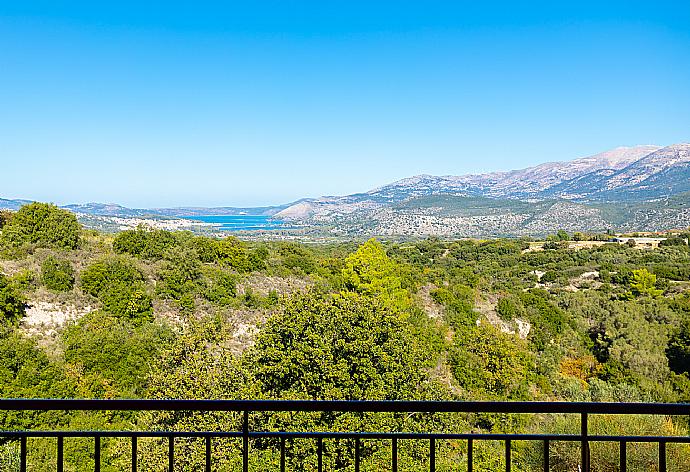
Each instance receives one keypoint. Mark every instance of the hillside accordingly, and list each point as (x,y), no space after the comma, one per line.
(158,314)
(605,191)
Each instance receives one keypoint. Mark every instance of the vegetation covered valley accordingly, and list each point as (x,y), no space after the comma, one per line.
(156,314)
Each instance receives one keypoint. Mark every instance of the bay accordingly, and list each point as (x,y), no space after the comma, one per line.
(240,222)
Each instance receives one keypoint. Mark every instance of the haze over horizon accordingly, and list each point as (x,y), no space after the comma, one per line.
(201,105)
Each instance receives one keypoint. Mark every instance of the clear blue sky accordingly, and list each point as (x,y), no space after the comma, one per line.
(256,102)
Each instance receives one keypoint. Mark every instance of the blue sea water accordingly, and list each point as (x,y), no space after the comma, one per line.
(240,222)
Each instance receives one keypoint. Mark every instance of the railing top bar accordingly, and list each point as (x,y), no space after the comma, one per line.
(336,434)
(347,406)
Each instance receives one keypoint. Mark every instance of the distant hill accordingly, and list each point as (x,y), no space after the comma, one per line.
(12,204)
(602,191)
(115,210)
(633,188)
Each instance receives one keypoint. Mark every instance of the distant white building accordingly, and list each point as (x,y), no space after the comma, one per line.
(639,242)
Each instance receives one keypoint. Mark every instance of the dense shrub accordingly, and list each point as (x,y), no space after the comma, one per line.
(221,287)
(24,280)
(119,285)
(490,364)
(57,274)
(674,241)
(206,249)
(458,301)
(509,307)
(107,271)
(547,319)
(44,225)
(297,257)
(5,217)
(114,356)
(181,279)
(234,253)
(12,304)
(678,351)
(27,372)
(338,347)
(144,242)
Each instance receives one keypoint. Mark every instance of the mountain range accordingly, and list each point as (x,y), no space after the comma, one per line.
(627,188)
(634,188)
(623,174)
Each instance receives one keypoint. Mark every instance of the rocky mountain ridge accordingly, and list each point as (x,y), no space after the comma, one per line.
(636,173)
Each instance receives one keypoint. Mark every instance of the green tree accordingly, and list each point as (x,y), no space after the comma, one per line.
(112,356)
(458,301)
(674,241)
(221,287)
(370,271)
(12,304)
(96,278)
(198,364)
(489,363)
(509,308)
(27,372)
(578,236)
(205,248)
(234,253)
(144,242)
(340,347)
(343,346)
(44,225)
(295,256)
(57,274)
(181,278)
(547,319)
(678,351)
(119,285)
(644,284)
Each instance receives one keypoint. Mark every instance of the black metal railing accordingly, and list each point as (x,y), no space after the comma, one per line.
(245,407)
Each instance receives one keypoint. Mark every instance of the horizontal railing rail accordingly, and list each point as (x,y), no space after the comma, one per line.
(245,407)
(668,409)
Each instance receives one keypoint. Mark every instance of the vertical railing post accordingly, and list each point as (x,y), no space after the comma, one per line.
(394,454)
(22,454)
(624,456)
(134,454)
(546,456)
(97,454)
(662,456)
(508,456)
(171,453)
(357,454)
(432,455)
(60,454)
(470,452)
(208,454)
(319,452)
(282,454)
(245,442)
(585,444)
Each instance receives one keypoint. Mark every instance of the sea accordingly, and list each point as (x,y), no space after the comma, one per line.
(241,222)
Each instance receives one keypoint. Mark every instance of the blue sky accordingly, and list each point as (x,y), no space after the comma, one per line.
(252,103)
